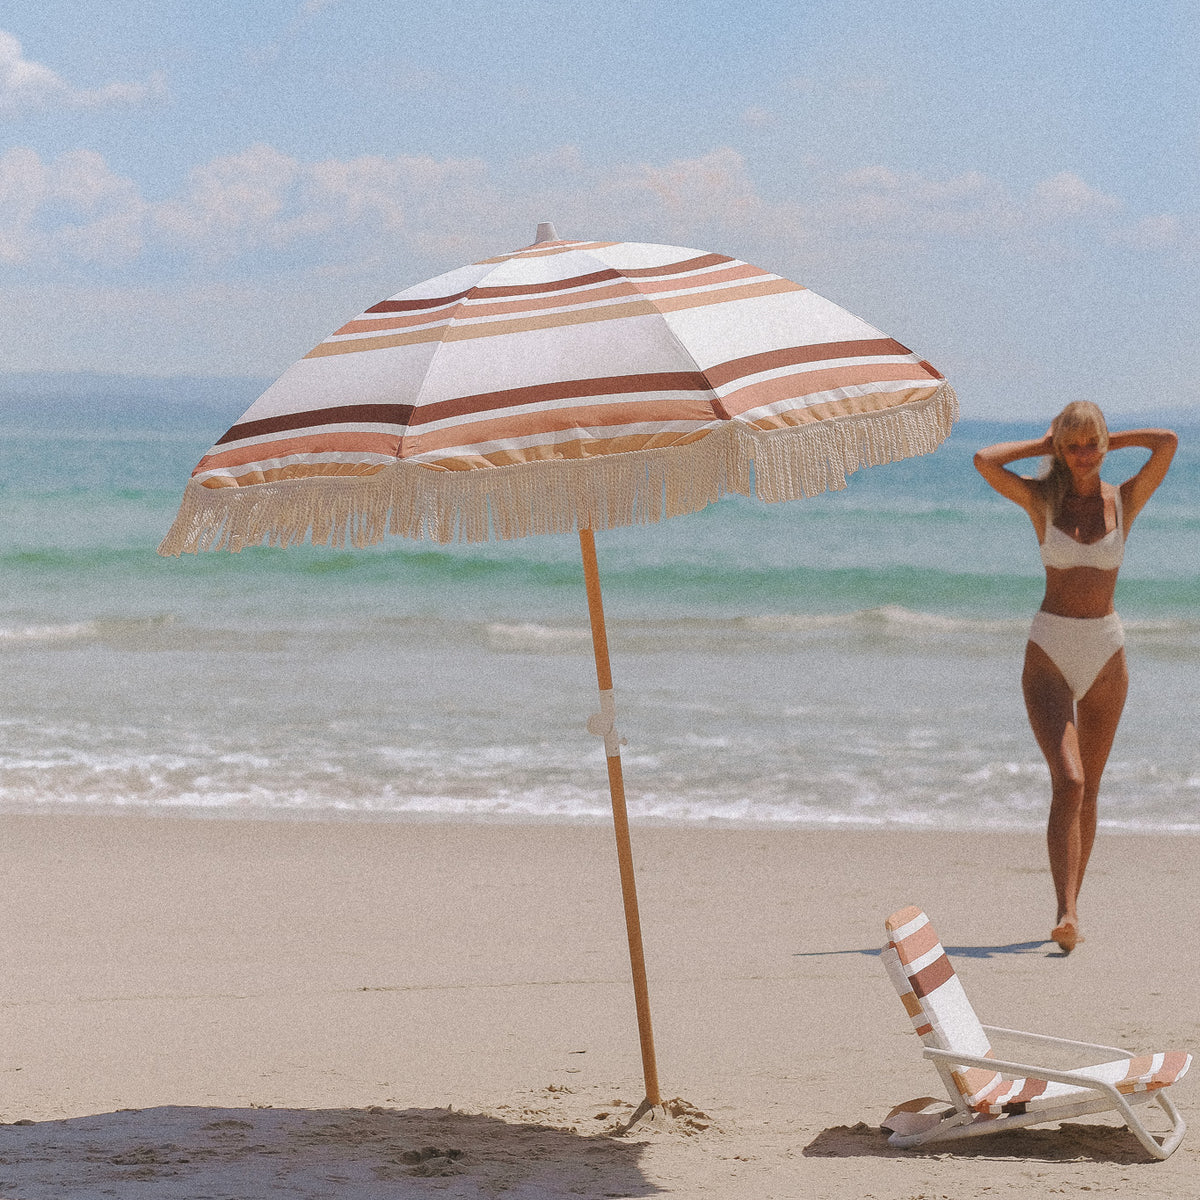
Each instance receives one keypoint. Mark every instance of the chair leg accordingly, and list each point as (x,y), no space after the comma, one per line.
(1159,1149)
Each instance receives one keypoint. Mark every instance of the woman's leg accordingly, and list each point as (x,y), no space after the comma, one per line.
(1051,708)
(1076,740)
(1099,712)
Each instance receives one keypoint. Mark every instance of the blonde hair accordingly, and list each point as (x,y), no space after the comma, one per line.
(1078,415)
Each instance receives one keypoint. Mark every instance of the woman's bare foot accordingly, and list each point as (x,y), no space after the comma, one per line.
(1066,934)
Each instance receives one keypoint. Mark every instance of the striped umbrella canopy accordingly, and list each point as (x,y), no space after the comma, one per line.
(567,386)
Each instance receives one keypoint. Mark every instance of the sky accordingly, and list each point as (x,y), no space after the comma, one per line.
(1006,186)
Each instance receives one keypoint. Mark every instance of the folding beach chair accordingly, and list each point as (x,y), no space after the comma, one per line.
(988,1094)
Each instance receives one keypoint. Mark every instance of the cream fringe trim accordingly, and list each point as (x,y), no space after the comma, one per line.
(636,488)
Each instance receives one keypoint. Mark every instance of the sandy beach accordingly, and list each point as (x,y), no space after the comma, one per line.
(241,1008)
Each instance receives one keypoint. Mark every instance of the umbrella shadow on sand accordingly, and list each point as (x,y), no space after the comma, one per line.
(1069,1142)
(183,1153)
(953,951)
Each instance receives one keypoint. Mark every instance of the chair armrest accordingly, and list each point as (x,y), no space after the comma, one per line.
(1046,1039)
(1028,1070)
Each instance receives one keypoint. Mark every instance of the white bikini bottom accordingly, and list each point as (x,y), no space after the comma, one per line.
(1078,646)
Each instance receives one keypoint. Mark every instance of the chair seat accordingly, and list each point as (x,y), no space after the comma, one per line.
(1145,1073)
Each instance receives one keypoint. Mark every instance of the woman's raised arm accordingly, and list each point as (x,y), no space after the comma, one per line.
(1136,490)
(992,463)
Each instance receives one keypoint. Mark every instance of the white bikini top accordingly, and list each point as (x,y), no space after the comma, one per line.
(1061,550)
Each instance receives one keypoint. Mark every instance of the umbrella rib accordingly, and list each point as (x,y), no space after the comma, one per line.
(439,346)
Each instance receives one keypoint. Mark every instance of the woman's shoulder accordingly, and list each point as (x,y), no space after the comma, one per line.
(1038,506)
(1039,490)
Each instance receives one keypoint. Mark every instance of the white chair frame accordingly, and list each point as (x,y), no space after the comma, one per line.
(964,1122)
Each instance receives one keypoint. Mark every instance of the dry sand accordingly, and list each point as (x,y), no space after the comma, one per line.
(238,1009)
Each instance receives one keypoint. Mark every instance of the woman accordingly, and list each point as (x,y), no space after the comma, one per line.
(1074,678)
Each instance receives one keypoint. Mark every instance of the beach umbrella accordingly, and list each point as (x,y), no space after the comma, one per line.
(570,386)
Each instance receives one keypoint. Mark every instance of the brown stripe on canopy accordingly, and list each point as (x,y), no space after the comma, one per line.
(474,310)
(524,300)
(772,360)
(643,306)
(392,306)
(405,415)
(301,470)
(566,389)
(677,268)
(370,414)
(643,416)
(531,289)
(555,285)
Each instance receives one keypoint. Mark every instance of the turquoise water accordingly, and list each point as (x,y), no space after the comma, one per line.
(848,660)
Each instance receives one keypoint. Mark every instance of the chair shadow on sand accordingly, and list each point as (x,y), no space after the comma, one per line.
(1050,948)
(1068,1142)
(181,1153)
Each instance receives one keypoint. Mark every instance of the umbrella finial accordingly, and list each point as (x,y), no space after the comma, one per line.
(545,233)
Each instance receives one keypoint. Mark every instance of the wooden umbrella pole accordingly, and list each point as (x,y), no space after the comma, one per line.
(602,725)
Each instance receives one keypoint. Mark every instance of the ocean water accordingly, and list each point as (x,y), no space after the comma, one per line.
(851,660)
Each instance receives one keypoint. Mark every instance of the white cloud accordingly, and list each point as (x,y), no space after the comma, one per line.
(713,187)
(757,117)
(878,198)
(189,276)
(23,82)
(26,85)
(263,198)
(969,205)
(74,208)
(346,214)
(235,203)
(1066,195)
(1163,232)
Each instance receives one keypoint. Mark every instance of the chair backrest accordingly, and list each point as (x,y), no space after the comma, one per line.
(934,998)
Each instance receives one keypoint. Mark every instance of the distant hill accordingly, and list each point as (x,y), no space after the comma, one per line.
(84,400)
(69,386)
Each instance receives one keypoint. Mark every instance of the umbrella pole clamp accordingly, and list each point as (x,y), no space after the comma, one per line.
(603,724)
